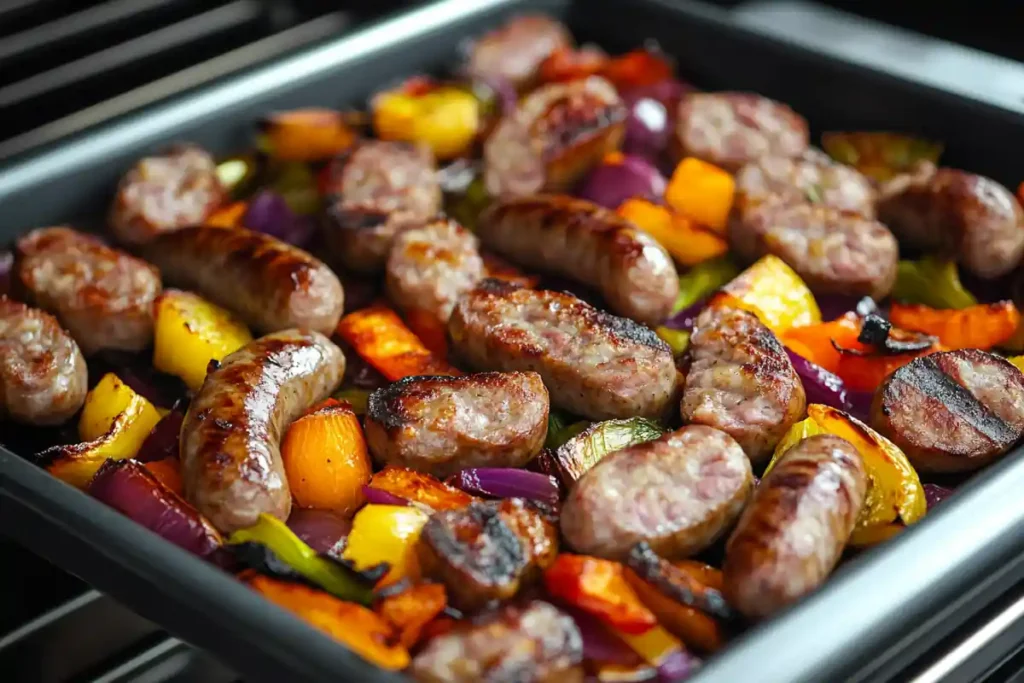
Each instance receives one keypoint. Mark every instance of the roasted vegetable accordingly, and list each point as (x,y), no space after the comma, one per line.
(336,579)
(419,488)
(561,428)
(661,649)
(775,293)
(586,449)
(325,531)
(359,629)
(386,533)
(687,242)
(325,458)
(894,497)
(410,610)
(975,327)
(678,340)
(1018,361)
(880,156)
(306,134)
(189,332)
(703,279)
(931,281)
(638,68)
(356,398)
(379,335)
(508,482)
(599,587)
(430,330)
(446,119)
(167,472)
(702,193)
(227,216)
(619,178)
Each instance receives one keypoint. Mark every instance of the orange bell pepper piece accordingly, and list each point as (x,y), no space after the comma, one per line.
(976,327)
(688,243)
(307,134)
(358,628)
(501,269)
(701,192)
(379,336)
(168,472)
(431,331)
(228,216)
(421,488)
(599,587)
(637,68)
(410,611)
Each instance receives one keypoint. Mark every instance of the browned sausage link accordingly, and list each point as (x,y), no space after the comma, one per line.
(102,296)
(487,551)
(230,439)
(594,364)
(678,493)
(741,381)
(43,378)
(972,218)
(375,190)
(954,411)
(515,51)
(171,190)
(441,425)
(531,643)
(730,129)
(557,133)
(794,530)
(271,285)
(577,239)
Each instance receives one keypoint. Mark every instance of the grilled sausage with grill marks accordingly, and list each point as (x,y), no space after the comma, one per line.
(795,528)
(485,552)
(578,239)
(271,285)
(102,296)
(594,364)
(953,411)
(43,377)
(678,493)
(230,439)
(441,425)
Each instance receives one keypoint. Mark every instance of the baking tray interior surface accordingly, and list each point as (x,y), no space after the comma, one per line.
(877,614)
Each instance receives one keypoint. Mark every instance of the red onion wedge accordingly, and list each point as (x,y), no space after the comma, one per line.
(128,487)
(163,441)
(685,319)
(610,184)
(599,644)
(269,213)
(677,666)
(824,387)
(324,531)
(507,482)
(935,494)
(379,497)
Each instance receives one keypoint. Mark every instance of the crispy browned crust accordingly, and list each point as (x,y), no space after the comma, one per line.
(271,285)
(928,409)
(815,491)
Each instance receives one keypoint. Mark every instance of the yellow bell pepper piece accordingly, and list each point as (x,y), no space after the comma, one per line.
(653,645)
(190,332)
(678,340)
(110,399)
(1018,361)
(688,243)
(775,293)
(701,192)
(386,533)
(894,496)
(446,119)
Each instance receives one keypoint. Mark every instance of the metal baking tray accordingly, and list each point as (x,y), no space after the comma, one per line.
(879,613)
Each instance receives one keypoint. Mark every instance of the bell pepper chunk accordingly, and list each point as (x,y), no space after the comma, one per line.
(411,610)
(1018,361)
(772,291)
(599,586)
(880,155)
(420,488)
(688,243)
(386,533)
(931,281)
(703,279)
(229,216)
(382,339)
(701,192)
(307,134)
(637,68)
(976,327)
(445,119)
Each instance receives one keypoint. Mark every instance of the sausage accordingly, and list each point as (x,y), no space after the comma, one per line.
(594,364)
(811,177)
(167,191)
(102,296)
(730,129)
(485,552)
(230,439)
(794,530)
(577,239)
(532,643)
(834,251)
(953,411)
(555,135)
(441,425)
(430,267)
(271,285)
(678,493)
(741,381)
(969,217)
(374,190)
(515,51)
(43,378)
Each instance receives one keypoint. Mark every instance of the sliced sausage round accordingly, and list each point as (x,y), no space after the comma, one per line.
(741,381)
(556,134)
(515,51)
(969,217)
(441,425)
(578,239)
(730,129)
(594,364)
(531,643)
(793,532)
(834,251)
(431,266)
(953,411)
(374,190)
(43,377)
(167,191)
(678,493)
(231,437)
(102,296)
(270,284)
